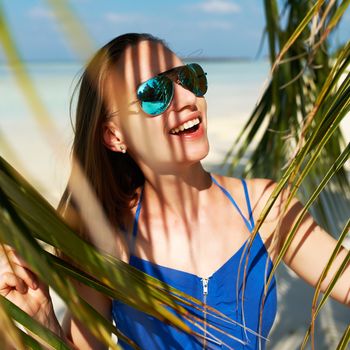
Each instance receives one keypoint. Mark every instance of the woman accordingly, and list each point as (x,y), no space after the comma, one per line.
(140,136)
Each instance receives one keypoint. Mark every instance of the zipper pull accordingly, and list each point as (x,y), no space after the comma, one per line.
(205,282)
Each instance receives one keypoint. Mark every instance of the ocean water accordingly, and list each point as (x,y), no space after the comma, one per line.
(234,88)
(233,85)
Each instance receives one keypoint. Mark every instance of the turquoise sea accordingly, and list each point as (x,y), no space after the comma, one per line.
(232,84)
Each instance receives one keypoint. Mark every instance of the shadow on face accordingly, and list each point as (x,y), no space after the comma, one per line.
(156,143)
(123,148)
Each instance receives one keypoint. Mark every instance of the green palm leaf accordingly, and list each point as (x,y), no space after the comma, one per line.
(301,110)
(9,333)
(345,340)
(29,342)
(280,120)
(23,207)
(22,204)
(296,123)
(317,309)
(49,338)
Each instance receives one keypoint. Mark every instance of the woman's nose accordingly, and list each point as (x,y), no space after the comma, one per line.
(182,97)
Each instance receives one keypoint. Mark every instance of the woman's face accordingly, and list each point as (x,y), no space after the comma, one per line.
(152,141)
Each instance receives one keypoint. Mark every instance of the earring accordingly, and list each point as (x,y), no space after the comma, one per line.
(122,149)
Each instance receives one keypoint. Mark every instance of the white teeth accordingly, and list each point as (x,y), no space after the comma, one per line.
(187,125)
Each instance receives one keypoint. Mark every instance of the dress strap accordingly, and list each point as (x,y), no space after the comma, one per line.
(135,224)
(228,195)
(250,224)
(251,218)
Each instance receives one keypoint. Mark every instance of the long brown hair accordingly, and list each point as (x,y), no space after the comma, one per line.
(113,176)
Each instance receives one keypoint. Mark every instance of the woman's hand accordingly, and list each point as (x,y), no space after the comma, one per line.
(21,286)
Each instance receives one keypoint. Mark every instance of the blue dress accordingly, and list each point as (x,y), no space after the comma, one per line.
(222,290)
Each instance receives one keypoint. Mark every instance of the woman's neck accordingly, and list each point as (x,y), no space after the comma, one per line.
(178,193)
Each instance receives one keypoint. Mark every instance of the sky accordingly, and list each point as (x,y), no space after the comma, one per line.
(204,28)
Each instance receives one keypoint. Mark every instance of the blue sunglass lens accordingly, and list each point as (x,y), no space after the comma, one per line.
(195,79)
(155,95)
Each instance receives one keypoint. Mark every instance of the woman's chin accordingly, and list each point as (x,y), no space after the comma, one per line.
(178,162)
(192,156)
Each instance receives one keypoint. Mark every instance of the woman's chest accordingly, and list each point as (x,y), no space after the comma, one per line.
(198,249)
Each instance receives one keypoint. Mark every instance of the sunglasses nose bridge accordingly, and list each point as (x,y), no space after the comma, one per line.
(182,96)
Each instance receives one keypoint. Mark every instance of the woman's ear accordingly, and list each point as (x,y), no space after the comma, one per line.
(113,138)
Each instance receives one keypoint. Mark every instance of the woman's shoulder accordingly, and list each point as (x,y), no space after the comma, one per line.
(259,189)
(109,239)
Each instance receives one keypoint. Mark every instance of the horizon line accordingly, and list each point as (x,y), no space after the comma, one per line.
(185,58)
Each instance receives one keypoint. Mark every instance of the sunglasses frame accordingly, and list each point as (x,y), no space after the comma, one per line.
(173,75)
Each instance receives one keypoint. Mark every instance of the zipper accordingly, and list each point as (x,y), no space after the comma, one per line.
(211,338)
(205,282)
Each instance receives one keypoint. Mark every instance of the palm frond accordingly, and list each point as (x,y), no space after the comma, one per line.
(295,127)
(24,220)
(9,333)
(345,340)
(298,84)
(293,133)
(48,337)
(317,309)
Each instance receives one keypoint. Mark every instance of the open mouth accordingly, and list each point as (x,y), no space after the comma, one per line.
(189,127)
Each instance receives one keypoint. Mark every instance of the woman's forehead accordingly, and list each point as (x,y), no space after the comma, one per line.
(136,65)
(145,60)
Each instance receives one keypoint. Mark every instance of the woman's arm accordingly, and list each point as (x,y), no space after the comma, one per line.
(73,329)
(310,252)
(311,248)
(78,333)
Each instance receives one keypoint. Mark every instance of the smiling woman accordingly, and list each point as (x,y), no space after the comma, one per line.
(140,138)
(153,113)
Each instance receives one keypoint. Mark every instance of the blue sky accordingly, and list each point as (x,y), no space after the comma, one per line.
(215,28)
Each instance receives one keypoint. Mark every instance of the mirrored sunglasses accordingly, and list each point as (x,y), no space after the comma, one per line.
(156,94)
